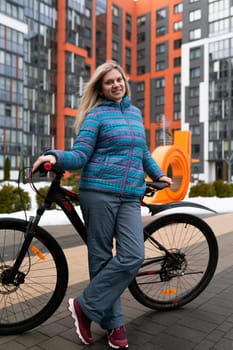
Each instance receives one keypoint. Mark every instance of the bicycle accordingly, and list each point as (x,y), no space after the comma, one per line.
(181,255)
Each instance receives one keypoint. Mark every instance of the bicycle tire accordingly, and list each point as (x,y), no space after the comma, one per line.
(45,272)
(161,285)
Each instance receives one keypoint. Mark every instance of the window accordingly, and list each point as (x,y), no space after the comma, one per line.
(196,148)
(177,62)
(128,68)
(160,48)
(140,86)
(128,19)
(128,35)
(115,28)
(219,9)
(12,10)
(140,54)
(162,136)
(8,110)
(177,79)
(160,83)
(178,26)
(195,53)
(159,100)
(15,39)
(195,15)
(141,37)
(177,98)
(128,52)
(178,8)
(161,65)
(162,30)
(193,111)
(161,14)
(221,49)
(128,26)
(87,33)
(159,117)
(140,103)
(195,129)
(115,46)
(177,115)
(195,34)
(219,27)
(141,70)
(177,44)
(87,13)
(195,72)
(194,91)
(115,11)
(141,21)
(98,35)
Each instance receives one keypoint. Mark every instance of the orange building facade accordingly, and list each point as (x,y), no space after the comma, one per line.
(145,38)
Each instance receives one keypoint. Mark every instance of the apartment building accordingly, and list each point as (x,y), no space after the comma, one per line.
(49,49)
(207,85)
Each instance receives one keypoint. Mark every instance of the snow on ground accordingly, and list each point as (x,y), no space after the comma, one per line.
(57,217)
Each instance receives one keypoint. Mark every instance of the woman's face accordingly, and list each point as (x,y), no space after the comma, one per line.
(113,86)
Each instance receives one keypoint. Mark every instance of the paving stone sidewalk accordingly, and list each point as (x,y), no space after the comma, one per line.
(206,323)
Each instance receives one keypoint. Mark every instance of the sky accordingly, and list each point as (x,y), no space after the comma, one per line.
(57,217)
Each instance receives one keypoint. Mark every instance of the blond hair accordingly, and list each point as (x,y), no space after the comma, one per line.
(91,97)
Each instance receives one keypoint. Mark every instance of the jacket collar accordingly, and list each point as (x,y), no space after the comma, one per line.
(125,103)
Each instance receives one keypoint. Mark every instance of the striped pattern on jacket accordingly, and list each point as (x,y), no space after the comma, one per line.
(111,148)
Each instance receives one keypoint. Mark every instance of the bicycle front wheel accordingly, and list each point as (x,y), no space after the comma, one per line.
(181,255)
(41,281)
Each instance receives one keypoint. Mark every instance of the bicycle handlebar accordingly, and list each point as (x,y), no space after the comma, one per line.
(151,187)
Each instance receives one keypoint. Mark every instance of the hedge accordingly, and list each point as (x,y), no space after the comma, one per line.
(13,199)
(215,189)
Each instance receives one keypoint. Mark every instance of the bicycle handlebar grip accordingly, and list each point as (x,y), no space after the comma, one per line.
(47,166)
(157,185)
(44,168)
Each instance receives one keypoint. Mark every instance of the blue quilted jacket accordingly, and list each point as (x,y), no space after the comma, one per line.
(111,149)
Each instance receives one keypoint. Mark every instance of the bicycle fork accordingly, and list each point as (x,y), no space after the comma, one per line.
(12,275)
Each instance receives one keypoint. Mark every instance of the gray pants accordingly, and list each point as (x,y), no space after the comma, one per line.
(108,216)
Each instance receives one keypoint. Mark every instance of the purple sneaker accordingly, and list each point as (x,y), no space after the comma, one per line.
(117,338)
(81,322)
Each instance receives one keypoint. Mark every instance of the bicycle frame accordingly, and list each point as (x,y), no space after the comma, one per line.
(64,199)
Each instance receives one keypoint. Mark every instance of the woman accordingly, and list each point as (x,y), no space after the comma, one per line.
(111,149)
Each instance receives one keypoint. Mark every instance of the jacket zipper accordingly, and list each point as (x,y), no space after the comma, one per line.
(130,152)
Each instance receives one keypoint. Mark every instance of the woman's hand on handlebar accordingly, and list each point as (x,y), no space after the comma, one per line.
(43,159)
(166,179)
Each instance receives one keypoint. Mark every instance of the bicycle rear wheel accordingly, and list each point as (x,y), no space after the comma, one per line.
(40,284)
(181,255)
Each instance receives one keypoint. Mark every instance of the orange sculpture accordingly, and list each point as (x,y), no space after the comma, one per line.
(174,160)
